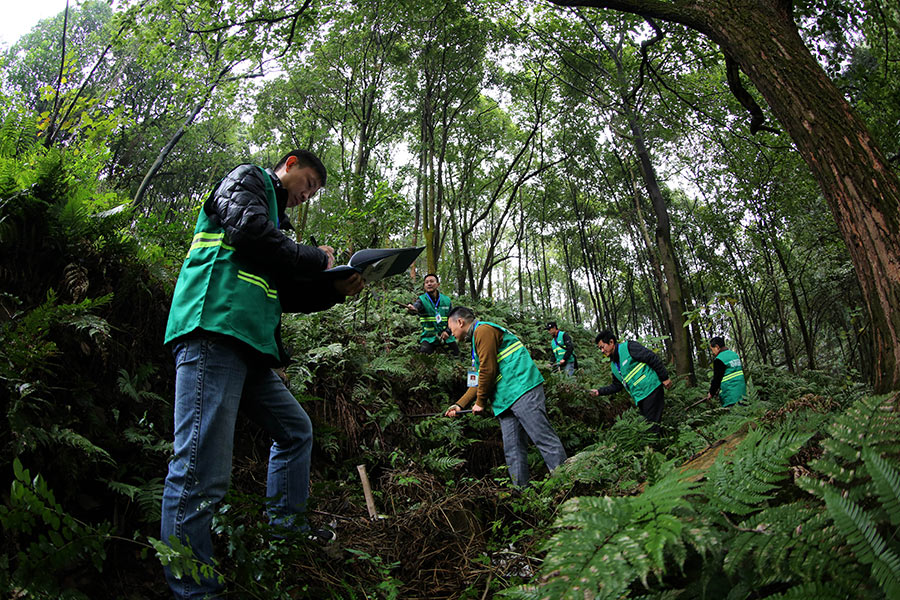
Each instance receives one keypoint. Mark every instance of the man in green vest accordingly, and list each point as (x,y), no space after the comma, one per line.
(504,377)
(728,374)
(563,350)
(637,370)
(240,273)
(433,308)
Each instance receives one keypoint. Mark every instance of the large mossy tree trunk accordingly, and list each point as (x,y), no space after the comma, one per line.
(851,170)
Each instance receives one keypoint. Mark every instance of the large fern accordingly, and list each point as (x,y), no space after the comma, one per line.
(858,479)
(743,482)
(792,542)
(614,458)
(604,544)
(870,423)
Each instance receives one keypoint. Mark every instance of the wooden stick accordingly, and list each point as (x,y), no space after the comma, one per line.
(696,403)
(367,491)
(436,414)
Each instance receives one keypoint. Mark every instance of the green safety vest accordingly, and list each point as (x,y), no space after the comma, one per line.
(517,375)
(733,386)
(435,319)
(220,292)
(637,377)
(559,349)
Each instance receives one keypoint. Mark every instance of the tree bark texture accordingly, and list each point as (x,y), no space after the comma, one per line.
(856,180)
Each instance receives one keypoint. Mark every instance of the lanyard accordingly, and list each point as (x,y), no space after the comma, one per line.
(474,327)
(437,315)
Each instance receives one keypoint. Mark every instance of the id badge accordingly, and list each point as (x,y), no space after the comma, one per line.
(437,319)
(472,380)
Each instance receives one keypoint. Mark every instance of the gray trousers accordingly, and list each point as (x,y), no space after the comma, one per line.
(527,419)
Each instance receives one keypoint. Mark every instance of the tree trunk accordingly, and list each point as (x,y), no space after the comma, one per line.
(570,279)
(798,309)
(784,325)
(757,325)
(167,149)
(681,347)
(856,179)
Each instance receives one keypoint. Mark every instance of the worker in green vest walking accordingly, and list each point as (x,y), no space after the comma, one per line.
(504,377)
(637,370)
(563,350)
(433,308)
(240,274)
(728,374)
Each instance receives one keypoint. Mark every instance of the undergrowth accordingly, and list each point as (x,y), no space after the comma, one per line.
(797,492)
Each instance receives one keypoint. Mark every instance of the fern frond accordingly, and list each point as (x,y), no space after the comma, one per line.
(886,571)
(868,423)
(394,364)
(605,544)
(664,595)
(857,527)
(742,482)
(56,436)
(819,591)
(124,489)
(790,542)
(147,496)
(439,460)
(886,479)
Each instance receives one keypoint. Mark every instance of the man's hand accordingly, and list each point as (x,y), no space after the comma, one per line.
(350,286)
(444,336)
(594,392)
(451,412)
(330,252)
(708,396)
(667,384)
(477,408)
(411,309)
(282,375)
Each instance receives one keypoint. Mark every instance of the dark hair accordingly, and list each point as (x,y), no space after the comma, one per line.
(461,312)
(606,336)
(717,341)
(427,275)
(305,158)
(552,325)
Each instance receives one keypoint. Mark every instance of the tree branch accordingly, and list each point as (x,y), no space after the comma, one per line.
(652,9)
(62,64)
(757,118)
(266,20)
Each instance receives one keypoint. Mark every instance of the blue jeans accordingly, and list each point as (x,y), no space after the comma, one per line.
(212,380)
(527,419)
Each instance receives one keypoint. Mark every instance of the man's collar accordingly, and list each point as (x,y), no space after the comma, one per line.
(281,198)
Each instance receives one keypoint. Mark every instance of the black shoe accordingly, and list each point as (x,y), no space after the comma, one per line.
(323,535)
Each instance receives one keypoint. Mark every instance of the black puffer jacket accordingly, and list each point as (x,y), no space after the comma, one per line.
(239,206)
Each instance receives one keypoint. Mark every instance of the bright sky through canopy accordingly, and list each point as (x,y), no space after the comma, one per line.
(20,17)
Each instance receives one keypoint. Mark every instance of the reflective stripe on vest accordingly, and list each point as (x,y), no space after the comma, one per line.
(558,346)
(640,380)
(204,239)
(733,385)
